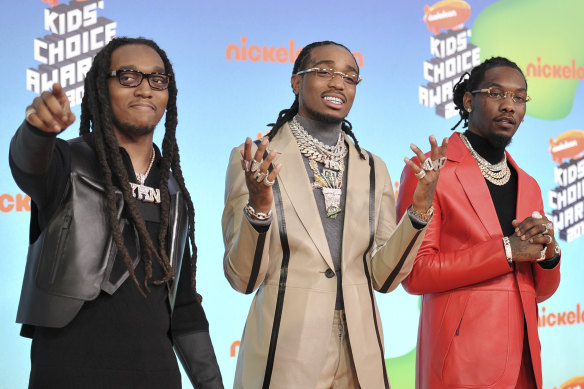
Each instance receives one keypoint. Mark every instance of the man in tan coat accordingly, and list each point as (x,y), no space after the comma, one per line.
(310,225)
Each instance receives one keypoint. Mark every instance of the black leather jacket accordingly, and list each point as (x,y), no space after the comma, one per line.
(71,260)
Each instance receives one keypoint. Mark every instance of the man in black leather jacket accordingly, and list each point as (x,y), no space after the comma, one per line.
(109,286)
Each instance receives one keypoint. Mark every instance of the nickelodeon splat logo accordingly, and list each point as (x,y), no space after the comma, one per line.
(573,383)
(569,145)
(281,54)
(446,15)
(54,3)
(17,203)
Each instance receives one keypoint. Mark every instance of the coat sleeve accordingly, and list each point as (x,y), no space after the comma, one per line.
(395,247)
(190,333)
(546,281)
(437,271)
(40,165)
(245,261)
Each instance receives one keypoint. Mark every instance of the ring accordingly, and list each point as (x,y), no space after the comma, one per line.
(542,254)
(548,227)
(551,239)
(439,163)
(245,165)
(259,176)
(427,165)
(421,174)
(255,165)
(29,111)
(536,215)
(268,182)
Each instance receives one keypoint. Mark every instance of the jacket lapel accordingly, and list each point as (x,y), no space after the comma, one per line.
(475,187)
(294,181)
(356,205)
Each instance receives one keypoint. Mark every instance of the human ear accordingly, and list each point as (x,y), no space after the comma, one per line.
(295,82)
(467,101)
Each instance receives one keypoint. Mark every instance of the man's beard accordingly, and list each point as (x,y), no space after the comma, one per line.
(499,141)
(321,117)
(131,130)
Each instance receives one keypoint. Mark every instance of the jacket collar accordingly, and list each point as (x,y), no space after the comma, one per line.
(469,174)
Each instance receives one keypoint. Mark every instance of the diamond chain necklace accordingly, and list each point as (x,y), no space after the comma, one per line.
(498,173)
(330,179)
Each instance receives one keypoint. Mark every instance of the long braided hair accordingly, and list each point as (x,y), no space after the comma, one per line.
(286,115)
(471,81)
(97,115)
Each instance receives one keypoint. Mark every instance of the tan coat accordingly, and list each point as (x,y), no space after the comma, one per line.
(309,295)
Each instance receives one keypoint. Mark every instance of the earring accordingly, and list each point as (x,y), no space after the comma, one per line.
(468,109)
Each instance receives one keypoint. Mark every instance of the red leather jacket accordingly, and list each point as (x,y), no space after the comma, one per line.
(474,304)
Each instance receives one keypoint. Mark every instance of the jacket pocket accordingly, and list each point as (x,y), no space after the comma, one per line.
(50,263)
(72,260)
(478,352)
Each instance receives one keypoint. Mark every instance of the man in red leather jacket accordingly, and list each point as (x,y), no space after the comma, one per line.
(489,256)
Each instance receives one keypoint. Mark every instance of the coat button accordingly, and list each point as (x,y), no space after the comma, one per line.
(329,273)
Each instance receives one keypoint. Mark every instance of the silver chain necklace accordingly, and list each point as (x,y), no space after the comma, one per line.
(498,173)
(330,179)
(142,192)
(314,149)
(141,178)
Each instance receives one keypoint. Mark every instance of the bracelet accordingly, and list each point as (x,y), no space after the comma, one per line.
(249,211)
(508,252)
(422,217)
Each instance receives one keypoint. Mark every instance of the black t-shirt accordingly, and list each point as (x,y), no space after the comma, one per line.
(116,341)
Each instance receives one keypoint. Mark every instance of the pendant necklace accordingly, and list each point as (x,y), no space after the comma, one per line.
(142,192)
(330,179)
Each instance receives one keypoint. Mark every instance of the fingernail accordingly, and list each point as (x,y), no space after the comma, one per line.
(57,127)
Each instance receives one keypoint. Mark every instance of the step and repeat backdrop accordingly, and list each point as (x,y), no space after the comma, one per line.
(233,62)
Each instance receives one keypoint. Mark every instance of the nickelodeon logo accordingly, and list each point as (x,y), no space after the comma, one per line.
(572,383)
(566,72)
(446,15)
(555,319)
(281,54)
(569,145)
(54,3)
(18,203)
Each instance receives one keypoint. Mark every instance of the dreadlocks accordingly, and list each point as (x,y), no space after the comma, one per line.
(97,114)
(286,115)
(472,82)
